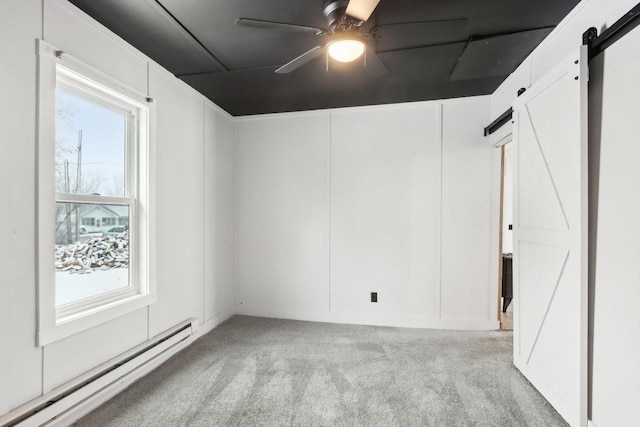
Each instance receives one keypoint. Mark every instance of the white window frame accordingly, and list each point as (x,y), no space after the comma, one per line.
(58,68)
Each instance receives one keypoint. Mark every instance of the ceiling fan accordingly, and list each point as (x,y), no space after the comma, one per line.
(345,42)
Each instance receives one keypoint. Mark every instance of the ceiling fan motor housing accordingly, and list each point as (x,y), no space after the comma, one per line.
(338,21)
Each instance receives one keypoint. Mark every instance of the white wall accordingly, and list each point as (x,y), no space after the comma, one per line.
(194,215)
(21,366)
(615,133)
(179,202)
(614,205)
(282,222)
(333,205)
(507,208)
(219,199)
(470,183)
(385,210)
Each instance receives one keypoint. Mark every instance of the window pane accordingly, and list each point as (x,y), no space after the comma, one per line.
(90,147)
(91,257)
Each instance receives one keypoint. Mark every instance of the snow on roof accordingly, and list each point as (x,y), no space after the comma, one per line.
(104,210)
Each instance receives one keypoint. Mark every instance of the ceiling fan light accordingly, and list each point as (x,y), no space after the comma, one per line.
(346,50)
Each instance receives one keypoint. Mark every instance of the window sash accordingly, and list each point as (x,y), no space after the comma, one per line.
(79,89)
(81,86)
(93,199)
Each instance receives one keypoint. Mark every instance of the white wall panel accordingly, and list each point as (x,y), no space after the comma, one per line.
(467,188)
(72,31)
(219,212)
(616,317)
(385,179)
(385,217)
(600,14)
(20,359)
(65,360)
(282,212)
(507,210)
(179,202)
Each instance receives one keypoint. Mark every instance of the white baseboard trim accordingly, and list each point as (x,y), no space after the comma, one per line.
(372,319)
(211,324)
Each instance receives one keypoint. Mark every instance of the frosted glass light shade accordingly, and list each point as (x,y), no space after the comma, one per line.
(346,50)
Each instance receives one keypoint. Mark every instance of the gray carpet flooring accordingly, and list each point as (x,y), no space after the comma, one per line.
(266,372)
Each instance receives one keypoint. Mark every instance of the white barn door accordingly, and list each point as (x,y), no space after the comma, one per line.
(550,236)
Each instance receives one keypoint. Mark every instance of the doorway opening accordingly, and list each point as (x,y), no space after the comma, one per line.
(505,285)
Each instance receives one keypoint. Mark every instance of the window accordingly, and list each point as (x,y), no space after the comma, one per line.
(108,221)
(89,221)
(94,149)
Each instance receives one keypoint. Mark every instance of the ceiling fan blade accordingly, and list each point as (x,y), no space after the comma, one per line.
(361,9)
(282,26)
(301,60)
(374,66)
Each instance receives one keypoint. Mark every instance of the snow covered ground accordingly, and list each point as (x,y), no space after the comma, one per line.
(74,287)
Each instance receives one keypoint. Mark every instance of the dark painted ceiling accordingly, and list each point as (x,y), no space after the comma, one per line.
(473,48)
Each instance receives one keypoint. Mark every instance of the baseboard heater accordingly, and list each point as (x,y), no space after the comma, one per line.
(70,401)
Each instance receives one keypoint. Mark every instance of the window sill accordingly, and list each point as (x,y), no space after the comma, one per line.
(78,322)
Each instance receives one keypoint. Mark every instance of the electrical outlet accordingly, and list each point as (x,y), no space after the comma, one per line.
(374,297)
